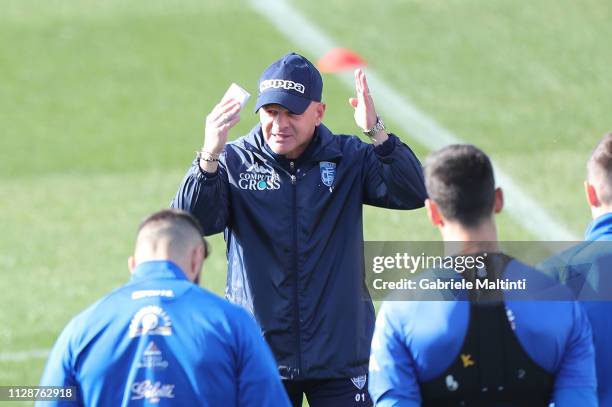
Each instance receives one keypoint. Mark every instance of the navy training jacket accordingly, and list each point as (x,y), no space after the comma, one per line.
(294,238)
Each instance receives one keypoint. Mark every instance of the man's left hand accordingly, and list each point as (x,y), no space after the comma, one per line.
(365,113)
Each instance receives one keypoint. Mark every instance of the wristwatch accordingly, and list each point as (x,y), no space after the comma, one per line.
(207,156)
(380,125)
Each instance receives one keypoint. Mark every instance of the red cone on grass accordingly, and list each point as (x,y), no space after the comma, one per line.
(338,60)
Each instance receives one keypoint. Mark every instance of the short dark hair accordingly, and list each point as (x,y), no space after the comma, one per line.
(459,179)
(176,216)
(599,169)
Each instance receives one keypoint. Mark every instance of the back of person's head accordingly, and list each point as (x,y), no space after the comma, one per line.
(171,234)
(459,179)
(599,169)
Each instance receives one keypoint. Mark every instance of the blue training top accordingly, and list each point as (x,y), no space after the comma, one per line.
(586,269)
(162,340)
(416,341)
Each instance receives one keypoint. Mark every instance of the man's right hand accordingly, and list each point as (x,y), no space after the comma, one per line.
(218,123)
(223,117)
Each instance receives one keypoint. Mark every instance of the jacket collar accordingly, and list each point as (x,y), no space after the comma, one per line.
(156,270)
(600,228)
(324,146)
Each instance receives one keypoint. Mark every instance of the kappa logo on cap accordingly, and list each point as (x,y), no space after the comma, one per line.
(281,84)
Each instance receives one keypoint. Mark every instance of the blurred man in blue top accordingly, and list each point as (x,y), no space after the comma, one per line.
(161,339)
(491,347)
(587,268)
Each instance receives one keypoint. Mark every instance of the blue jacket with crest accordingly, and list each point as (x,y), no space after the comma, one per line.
(162,340)
(294,238)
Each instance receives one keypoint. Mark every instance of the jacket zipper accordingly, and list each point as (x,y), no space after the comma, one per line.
(295,267)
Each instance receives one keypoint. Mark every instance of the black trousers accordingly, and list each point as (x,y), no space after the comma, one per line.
(350,392)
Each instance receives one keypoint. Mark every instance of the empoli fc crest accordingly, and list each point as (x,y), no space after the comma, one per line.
(328,172)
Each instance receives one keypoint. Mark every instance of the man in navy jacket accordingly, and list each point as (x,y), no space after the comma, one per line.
(161,339)
(289,197)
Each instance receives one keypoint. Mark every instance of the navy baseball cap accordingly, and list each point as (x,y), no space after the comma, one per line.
(292,82)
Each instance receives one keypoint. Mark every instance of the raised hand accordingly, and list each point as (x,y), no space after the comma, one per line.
(223,117)
(365,113)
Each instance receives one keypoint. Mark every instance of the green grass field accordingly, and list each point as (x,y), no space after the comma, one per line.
(102,105)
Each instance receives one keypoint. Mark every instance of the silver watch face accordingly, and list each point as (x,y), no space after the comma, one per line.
(380,125)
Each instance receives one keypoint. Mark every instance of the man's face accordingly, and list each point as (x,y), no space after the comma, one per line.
(289,134)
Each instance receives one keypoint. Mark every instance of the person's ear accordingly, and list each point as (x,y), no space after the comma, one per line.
(197,260)
(131,264)
(433,213)
(320,113)
(499,200)
(591,195)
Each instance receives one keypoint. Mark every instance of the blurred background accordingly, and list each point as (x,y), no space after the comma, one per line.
(102,105)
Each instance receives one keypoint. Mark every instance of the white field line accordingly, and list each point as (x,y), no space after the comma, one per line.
(413,122)
(400,109)
(23,356)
